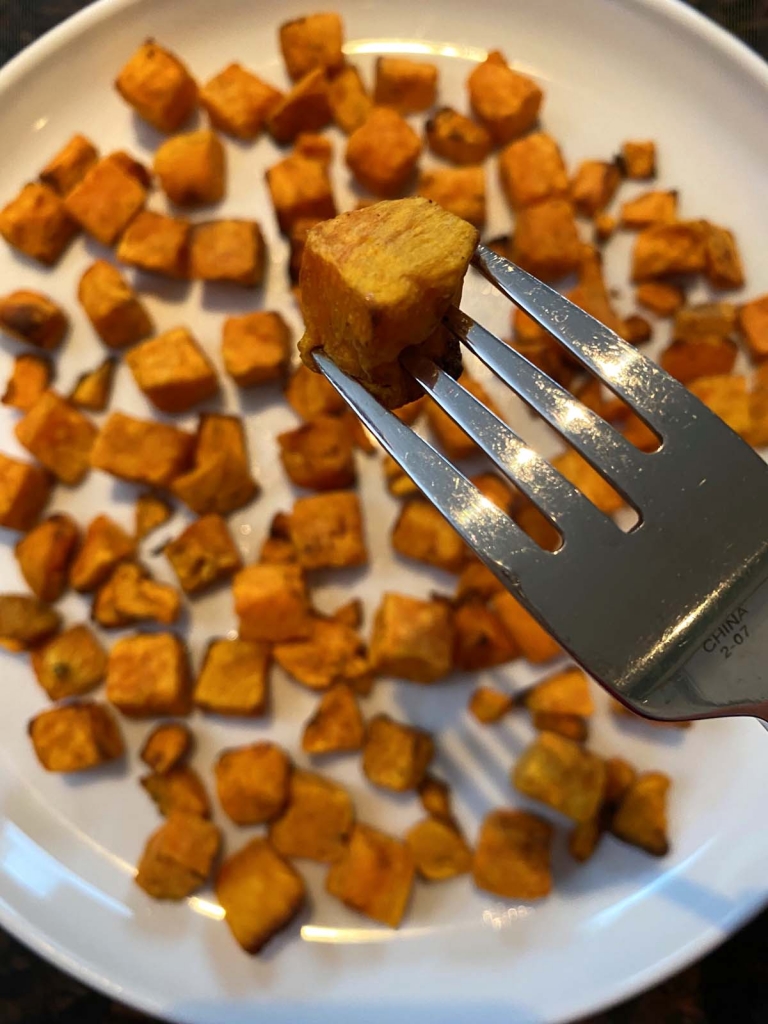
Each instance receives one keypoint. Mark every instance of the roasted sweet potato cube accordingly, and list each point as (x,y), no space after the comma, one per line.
(131,595)
(70,664)
(300,189)
(534,642)
(311,42)
(25,622)
(239,102)
(327,531)
(412,639)
(753,321)
(317,822)
(59,436)
(277,547)
(546,239)
(234,678)
(532,169)
(255,348)
(383,152)
(173,371)
(481,639)
(661,249)
(605,225)
(310,395)
(724,268)
(178,857)
(150,513)
(506,102)
(594,185)
(37,223)
(374,875)
(106,201)
(396,756)
(304,108)
(457,138)
(75,737)
(439,850)
(318,455)
(24,491)
(112,306)
(192,168)
(253,782)
(563,693)
(477,582)
(641,817)
(272,603)
(584,838)
(562,774)
(435,797)
(221,480)
(332,653)
(408,86)
(148,675)
(260,894)
(573,727)
(44,555)
(660,297)
(156,243)
(348,98)
(30,377)
(132,166)
(92,390)
(351,613)
(179,789)
(229,251)
(460,190)
(657,207)
(105,545)
(489,705)
(70,165)
(620,775)
(337,725)
(203,554)
(637,159)
(705,356)
(158,86)
(512,856)
(726,395)
(166,747)
(33,318)
(422,534)
(576,469)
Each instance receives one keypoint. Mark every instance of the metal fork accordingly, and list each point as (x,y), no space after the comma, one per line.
(672,616)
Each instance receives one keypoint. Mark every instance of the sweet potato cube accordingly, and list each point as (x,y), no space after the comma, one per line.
(408,86)
(660,297)
(662,249)
(59,436)
(460,190)
(562,774)
(382,153)
(573,727)
(24,491)
(25,622)
(724,268)
(156,243)
(148,675)
(30,377)
(106,201)
(37,223)
(327,531)
(481,639)
(594,185)
(534,642)
(378,280)
(92,390)
(546,239)
(33,318)
(234,678)
(398,481)
(277,548)
(70,664)
(158,86)
(592,485)
(75,737)
(396,756)
(318,455)
(332,653)
(272,603)
(221,479)
(489,705)
(112,306)
(412,639)
(435,797)
(239,102)
(131,595)
(253,782)
(192,168)
(166,747)
(620,775)
(304,108)
(641,817)
(374,876)
(457,138)
(314,41)
(637,159)
(563,693)
(310,395)
(451,438)
(422,534)
(260,893)
(337,725)
(649,208)
(150,513)
(203,554)
(179,789)
(705,356)
(317,822)
(512,856)
(255,347)
(44,555)
(105,545)
(532,169)
(300,189)
(70,165)
(173,371)
(753,321)
(726,396)
(506,102)
(349,100)
(477,582)
(229,251)
(605,226)
(178,857)
(439,850)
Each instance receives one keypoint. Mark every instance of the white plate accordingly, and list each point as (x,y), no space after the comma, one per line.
(612,69)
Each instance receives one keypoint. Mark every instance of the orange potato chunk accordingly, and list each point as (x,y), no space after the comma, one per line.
(317,822)
(192,168)
(75,737)
(256,348)
(301,191)
(396,756)
(59,436)
(481,639)
(38,224)
(234,678)
(532,169)
(724,268)
(239,102)
(92,390)
(173,371)
(156,243)
(327,531)
(546,241)
(71,664)
(753,321)
(314,41)
(337,725)
(44,555)
(576,469)
(179,789)
(573,727)
(533,640)
(649,208)
(593,186)
(150,513)
(374,876)
(460,190)
(25,622)
(318,455)
(439,850)
(349,99)
(106,544)
(272,603)
(166,747)
(33,318)
(304,108)
(253,782)
(148,675)
(178,857)
(383,152)
(506,102)
(112,306)
(565,693)
(221,479)
(457,138)
(203,554)
(106,200)
(489,705)
(726,395)
(641,817)
(24,491)
(332,653)
(310,395)
(228,251)
(662,249)
(70,165)
(637,159)
(408,86)
(131,595)
(660,297)
(158,86)
(435,797)
(563,775)
(421,533)
(412,639)
(512,856)
(30,377)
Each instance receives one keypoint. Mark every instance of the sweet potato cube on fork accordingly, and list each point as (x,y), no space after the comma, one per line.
(374,875)
(148,675)
(234,678)
(158,86)
(178,857)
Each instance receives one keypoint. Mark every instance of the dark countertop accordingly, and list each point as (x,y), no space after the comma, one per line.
(730,986)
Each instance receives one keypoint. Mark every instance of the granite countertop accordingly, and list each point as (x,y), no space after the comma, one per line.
(730,986)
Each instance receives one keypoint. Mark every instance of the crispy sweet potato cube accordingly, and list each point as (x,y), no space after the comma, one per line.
(70,664)
(726,395)
(532,169)
(24,491)
(396,756)
(277,548)
(562,774)
(348,97)
(533,640)
(304,108)
(656,207)
(239,102)
(255,347)
(166,747)
(584,838)
(317,822)
(105,545)
(512,856)
(179,789)
(724,268)
(662,249)
(412,639)
(203,554)
(151,512)
(489,705)
(70,165)
(753,321)
(374,875)
(30,377)
(477,582)
(59,436)
(460,190)
(457,138)
(546,239)
(33,318)
(148,675)
(37,223)
(230,251)
(272,603)
(300,189)
(439,850)
(131,595)
(573,727)
(506,102)
(192,168)
(310,395)
(337,725)
(422,534)
(221,479)
(481,639)
(563,693)
(327,531)
(260,893)
(156,243)
(178,857)
(112,306)
(594,185)
(311,42)
(704,356)
(234,678)
(382,153)
(641,817)
(576,469)
(253,782)
(408,86)
(44,555)
(158,86)
(25,622)
(435,797)
(332,653)
(660,297)
(92,390)
(132,166)
(637,159)
(318,455)
(75,737)
(173,371)
(106,200)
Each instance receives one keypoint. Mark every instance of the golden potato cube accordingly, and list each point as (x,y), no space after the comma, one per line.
(304,108)
(451,438)
(726,396)
(272,603)
(300,189)
(106,200)
(383,152)
(477,582)
(239,102)
(532,169)
(408,86)
(641,817)
(314,41)
(412,639)
(573,727)
(158,86)
(178,857)
(435,797)
(260,893)
(112,306)
(277,547)
(314,146)
(591,484)
(92,390)
(229,251)
(75,737)
(439,850)
(489,705)
(332,653)
(38,224)
(546,242)
(460,190)
(30,377)
(318,455)
(253,782)
(457,138)
(655,207)
(349,99)
(156,243)
(374,875)
(25,622)
(70,664)
(33,318)
(724,268)
(166,747)
(593,187)
(192,168)
(506,102)
(421,533)
(203,554)
(24,492)
(173,371)
(317,822)
(565,693)
(148,675)
(310,395)
(562,774)
(44,555)
(105,545)
(637,159)
(512,856)
(70,165)
(396,756)
(753,321)
(663,249)
(59,436)
(221,479)
(327,531)
(131,595)
(660,297)
(150,513)
(337,725)
(234,678)
(179,789)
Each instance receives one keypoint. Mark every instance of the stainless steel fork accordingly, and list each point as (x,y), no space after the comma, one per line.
(672,616)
